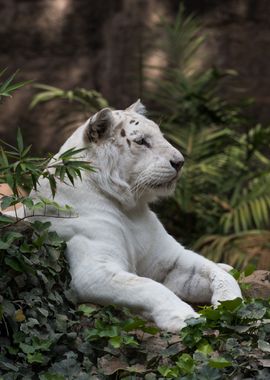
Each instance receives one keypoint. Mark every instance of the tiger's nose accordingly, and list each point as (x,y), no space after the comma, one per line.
(177,164)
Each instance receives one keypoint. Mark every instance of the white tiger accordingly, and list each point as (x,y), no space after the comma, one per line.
(119,252)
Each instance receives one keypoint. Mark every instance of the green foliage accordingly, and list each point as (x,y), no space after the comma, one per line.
(182,39)
(19,170)
(42,333)
(33,287)
(223,194)
(228,342)
(44,336)
(91,100)
(84,103)
(8,86)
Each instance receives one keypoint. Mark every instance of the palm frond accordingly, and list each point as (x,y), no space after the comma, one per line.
(237,249)
(90,99)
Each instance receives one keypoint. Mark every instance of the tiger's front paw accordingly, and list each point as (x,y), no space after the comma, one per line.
(225,288)
(174,320)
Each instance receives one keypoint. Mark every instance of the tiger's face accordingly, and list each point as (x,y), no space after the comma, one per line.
(127,145)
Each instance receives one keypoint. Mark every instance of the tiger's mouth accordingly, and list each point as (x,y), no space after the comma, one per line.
(166,184)
(157,186)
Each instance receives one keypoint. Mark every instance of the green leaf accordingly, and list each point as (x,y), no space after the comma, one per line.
(8,365)
(219,362)
(51,376)
(40,343)
(4,245)
(211,313)
(235,273)
(130,341)
(26,348)
(86,310)
(20,141)
(6,201)
(186,364)
(150,330)
(205,348)
(7,219)
(52,183)
(168,372)
(263,345)
(28,202)
(116,341)
(133,324)
(40,227)
(36,357)
(8,308)
(110,331)
(232,305)
(69,153)
(252,311)
(249,269)
(13,263)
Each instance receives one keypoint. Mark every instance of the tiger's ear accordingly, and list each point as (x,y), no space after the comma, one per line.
(137,107)
(99,125)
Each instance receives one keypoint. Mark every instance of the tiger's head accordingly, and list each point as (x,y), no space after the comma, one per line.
(133,160)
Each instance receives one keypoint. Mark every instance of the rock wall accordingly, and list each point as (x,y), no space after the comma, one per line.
(68,43)
(239,38)
(100,44)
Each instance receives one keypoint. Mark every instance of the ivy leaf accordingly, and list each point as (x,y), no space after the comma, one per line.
(51,376)
(36,357)
(69,367)
(263,345)
(252,311)
(186,364)
(8,308)
(167,371)
(4,245)
(13,263)
(116,341)
(130,341)
(211,313)
(86,310)
(232,305)
(8,365)
(150,330)
(205,348)
(27,348)
(110,331)
(133,324)
(219,362)
(41,344)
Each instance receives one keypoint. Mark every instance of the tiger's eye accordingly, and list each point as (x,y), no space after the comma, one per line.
(140,141)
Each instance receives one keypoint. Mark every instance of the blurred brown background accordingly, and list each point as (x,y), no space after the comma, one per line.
(104,44)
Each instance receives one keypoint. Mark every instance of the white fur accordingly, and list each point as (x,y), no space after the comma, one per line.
(119,252)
